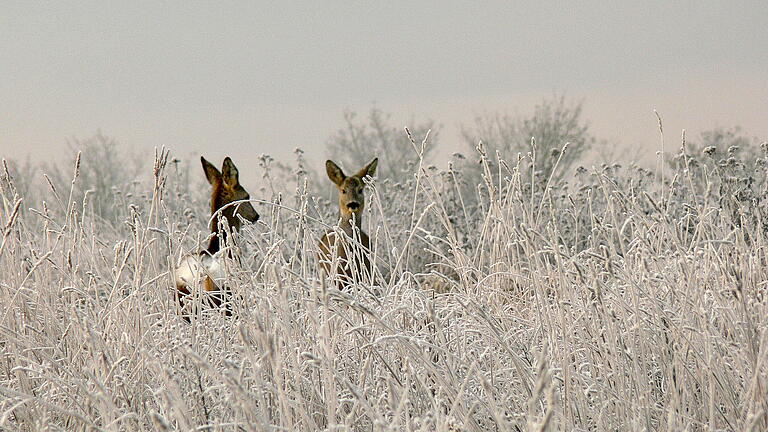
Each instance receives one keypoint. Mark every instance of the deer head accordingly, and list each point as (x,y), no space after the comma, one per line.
(225,189)
(350,188)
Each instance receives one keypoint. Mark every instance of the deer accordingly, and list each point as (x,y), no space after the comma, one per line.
(204,268)
(353,248)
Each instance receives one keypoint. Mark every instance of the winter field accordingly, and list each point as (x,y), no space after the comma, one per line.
(603,297)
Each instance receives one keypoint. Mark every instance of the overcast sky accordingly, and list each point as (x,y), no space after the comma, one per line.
(245,78)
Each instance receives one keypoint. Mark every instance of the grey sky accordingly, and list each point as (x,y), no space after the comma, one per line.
(244,78)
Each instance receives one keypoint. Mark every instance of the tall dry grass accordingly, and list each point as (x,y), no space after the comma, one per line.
(524,305)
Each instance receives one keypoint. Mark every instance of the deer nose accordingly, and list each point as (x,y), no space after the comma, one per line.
(353,206)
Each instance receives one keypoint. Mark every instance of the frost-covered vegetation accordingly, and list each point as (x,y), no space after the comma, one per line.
(602,298)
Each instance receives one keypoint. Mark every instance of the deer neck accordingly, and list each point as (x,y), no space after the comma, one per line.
(214,245)
(219,235)
(346,220)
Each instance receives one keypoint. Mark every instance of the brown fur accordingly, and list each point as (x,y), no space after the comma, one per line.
(225,189)
(353,256)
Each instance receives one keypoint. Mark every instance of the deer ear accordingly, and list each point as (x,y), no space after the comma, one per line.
(334,172)
(211,173)
(368,170)
(229,172)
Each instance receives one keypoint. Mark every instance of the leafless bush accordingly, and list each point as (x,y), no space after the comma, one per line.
(544,134)
(362,139)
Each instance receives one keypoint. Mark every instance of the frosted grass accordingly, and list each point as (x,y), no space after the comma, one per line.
(525,305)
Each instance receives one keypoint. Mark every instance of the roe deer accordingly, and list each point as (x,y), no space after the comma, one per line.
(202,269)
(353,248)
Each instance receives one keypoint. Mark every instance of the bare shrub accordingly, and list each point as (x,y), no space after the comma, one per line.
(375,136)
(545,132)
